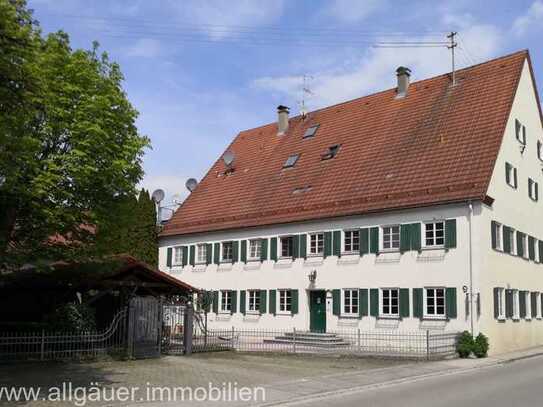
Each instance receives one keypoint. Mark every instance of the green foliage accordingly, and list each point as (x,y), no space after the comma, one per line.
(71,317)
(69,146)
(481,346)
(205,300)
(465,344)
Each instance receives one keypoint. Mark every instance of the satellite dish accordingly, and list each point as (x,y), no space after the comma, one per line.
(228,158)
(158,195)
(191,184)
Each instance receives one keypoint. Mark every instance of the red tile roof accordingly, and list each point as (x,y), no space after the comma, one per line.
(437,145)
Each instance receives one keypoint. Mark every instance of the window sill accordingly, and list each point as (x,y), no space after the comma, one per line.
(314,260)
(349,258)
(349,316)
(198,267)
(501,319)
(284,313)
(389,317)
(252,265)
(283,263)
(224,267)
(434,318)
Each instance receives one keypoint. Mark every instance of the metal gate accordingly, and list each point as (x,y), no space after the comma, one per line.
(173,332)
(144,327)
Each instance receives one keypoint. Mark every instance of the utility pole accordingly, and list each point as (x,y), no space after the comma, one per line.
(452,45)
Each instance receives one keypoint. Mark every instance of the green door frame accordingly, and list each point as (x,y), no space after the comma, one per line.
(317,310)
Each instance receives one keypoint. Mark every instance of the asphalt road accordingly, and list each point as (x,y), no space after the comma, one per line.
(518,384)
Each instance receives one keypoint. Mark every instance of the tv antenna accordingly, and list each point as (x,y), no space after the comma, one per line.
(306,92)
(452,45)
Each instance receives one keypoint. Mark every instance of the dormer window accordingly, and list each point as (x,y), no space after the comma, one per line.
(520,132)
(331,153)
(310,132)
(291,161)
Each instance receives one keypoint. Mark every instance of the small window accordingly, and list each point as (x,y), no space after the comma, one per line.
(516,305)
(201,253)
(285,301)
(316,244)
(390,302)
(540,150)
(350,302)
(435,302)
(227,251)
(287,246)
(331,153)
(177,256)
(501,303)
(520,132)
(391,237)
(533,190)
(499,240)
(253,301)
(255,246)
(352,241)
(310,132)
(291,161)
(434,234)
(511,176)
(226,301)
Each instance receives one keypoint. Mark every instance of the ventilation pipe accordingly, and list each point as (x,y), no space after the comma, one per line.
(282,119)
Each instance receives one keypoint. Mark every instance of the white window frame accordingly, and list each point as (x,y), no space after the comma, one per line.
(539,147)
(538,305)
(513,240)
(352,303)
(499,236)
(352,251)
(319,241)
(284,293)
(501,303)
(391,248)
(528,301)
(435,315)
(258,244)
(434,237)
(526,249)
(516,305)
(200,246)
(225,299)
(223,260)
(531,190)
(177,260)
(280,247)
(512,171)
(389,314)
(253,302)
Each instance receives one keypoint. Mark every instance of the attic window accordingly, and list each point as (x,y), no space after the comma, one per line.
(331,153)
(520,132)
(291,161)
(310,132)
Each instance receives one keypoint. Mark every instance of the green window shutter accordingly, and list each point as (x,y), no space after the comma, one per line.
(522,304)
(242,305)
(374,240)
(531,248)
(374,302)
(337,243)
(496,302)
(405,238)
(273,301)
(303,246)
(533,303)
(509,303)
(262,294)
(327,244)
(209,253)
(450,233)
(540,248)
(169,254)
(507,172)
(415,236)
(520,244)
(404,302)
(235,251)
(418,306)
(336,302)
(450,302)
(234,302)
(185,255)
(192,255)
(363,298)
(216,302)
(243,251)
(263,249)
(217,253)
(494,233)
(364,241)
(294,304)
(296,246)
(273,249)
(506,239)
(515,178)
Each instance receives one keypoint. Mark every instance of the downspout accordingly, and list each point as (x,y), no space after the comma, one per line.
(470,294)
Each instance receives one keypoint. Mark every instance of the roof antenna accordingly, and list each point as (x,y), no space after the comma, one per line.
(305,91)
(453,44)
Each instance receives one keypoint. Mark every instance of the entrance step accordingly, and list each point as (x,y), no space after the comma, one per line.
(322,340)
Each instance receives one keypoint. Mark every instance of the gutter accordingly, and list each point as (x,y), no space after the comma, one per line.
(470,214)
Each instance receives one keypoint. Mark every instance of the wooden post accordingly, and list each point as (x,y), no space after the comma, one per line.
(187,328)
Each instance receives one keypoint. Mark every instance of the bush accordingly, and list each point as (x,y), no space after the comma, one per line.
(71,317)
(465,344)
(480,348)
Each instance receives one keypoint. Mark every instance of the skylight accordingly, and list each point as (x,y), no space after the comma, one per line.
(310,132)
(291,161)
(331,153)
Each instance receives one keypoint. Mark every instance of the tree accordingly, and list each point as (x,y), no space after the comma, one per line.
(70,148)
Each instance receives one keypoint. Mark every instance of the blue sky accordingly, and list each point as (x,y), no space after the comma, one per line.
(199,71)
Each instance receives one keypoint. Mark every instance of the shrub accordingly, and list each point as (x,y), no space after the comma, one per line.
(480,348)
(71,317)
(465,344)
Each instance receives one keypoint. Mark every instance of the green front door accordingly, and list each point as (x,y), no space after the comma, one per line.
(317,311)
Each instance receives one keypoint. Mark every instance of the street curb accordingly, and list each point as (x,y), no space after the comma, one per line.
(533,355)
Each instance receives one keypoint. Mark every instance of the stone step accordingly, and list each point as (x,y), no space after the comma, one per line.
(319,344)
(312,334)
(310,338)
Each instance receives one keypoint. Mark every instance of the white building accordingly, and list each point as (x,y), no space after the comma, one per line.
(412,208)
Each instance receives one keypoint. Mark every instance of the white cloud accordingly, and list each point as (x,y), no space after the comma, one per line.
(144,48)
(532,18)
(351,11)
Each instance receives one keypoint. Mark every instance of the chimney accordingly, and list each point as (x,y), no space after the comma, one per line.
(282,119)
(403,75)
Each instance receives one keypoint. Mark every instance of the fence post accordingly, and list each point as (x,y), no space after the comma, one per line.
(42,348)
(188,317)
(233,336)
(358,341)
(294,340)
(427,344)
